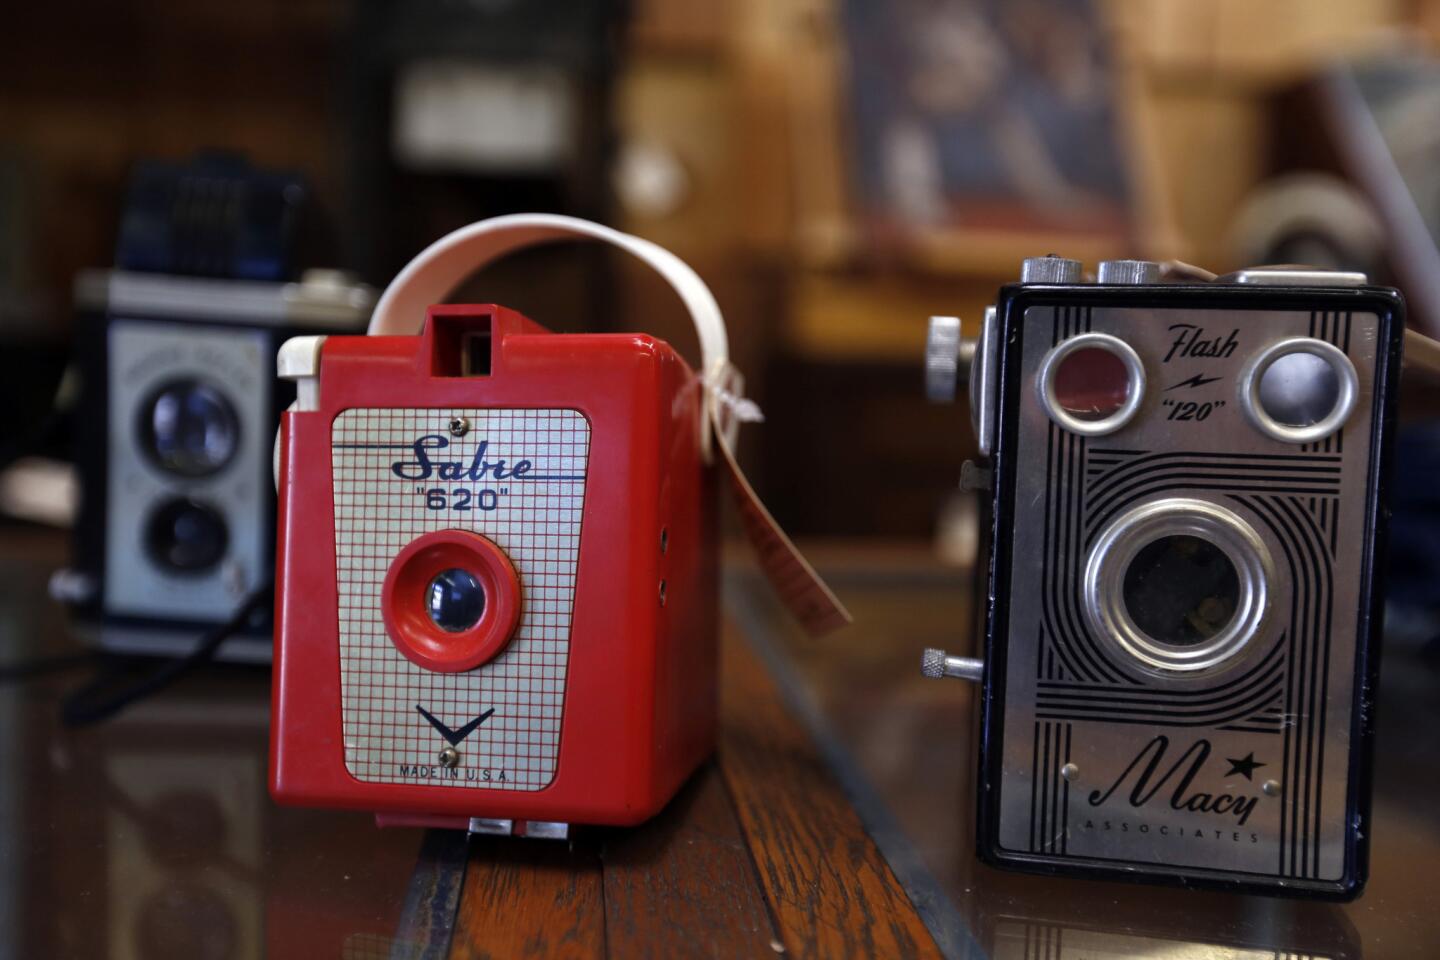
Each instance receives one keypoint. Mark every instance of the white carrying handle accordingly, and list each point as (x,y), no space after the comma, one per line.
(433,276)
(441,267)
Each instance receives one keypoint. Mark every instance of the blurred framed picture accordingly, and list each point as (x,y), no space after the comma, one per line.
(968,132)
(983,114)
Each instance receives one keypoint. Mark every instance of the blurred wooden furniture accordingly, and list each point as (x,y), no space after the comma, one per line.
(1192,82)
(1193,85)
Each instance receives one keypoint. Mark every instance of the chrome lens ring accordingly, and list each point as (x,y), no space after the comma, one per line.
(1254,372)
(1134,370)
(1110,558)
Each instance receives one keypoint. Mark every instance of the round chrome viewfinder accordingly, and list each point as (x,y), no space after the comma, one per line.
(1299,390)
(1091,384)
(1178,585)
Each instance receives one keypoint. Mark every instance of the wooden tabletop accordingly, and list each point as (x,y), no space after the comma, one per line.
(761,854)
(156,827)
(835,820)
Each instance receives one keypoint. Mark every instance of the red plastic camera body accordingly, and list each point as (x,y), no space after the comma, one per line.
(567,671)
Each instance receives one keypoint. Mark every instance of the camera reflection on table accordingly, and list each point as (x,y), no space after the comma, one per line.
(909,745)
(153,834)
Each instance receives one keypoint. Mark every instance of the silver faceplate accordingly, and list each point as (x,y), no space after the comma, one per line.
(1267,732)
(233,361)
(382,503)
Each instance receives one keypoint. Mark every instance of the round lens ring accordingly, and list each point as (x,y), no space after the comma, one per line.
(451,600)
(455,600)
(1091,384)
(189,428)
(1178,586)
(1299,390)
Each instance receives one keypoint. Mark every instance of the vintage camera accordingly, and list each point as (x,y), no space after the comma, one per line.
(175,428)
(178,407)
(497,566)
(1182,617)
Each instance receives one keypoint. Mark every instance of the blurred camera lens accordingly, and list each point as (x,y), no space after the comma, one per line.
(186,536)
(455,600)
(188,428)
(1181,590)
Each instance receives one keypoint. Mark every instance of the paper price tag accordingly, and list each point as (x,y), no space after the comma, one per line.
(807,597)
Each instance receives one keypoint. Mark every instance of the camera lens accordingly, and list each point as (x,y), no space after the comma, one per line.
(1299,389)
(455,600)
(186,536)
(451,600)
(188,428)
(1181,590)
(1179,585)
(1091,384)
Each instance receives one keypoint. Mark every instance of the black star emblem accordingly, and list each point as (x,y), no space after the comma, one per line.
(1245,767)
(453,737)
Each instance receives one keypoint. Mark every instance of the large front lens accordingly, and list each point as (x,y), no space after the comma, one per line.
(1181,590)
(455,600)
(186,536)
(189,428)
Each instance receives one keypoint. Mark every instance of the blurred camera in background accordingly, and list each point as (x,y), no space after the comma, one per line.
(179,407)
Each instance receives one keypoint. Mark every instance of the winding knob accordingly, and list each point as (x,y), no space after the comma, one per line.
(1133,272)
(947,359)
(936,664)
(1051,269)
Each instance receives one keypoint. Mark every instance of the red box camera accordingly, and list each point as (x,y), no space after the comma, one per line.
(497,575)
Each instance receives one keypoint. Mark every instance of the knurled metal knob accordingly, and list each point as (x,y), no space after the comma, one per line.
(1129,271)
(947,359)
(1049,269)
(936,664)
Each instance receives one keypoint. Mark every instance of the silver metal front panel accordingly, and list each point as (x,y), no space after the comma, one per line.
(1169,768)
(535,521)
(234,362)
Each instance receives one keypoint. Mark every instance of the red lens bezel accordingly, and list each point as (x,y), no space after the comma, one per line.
(403,601)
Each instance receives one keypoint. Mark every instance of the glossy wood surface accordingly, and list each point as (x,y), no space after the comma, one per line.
(761,853)
(836,816)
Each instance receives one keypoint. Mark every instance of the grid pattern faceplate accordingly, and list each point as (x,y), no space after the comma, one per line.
(534,519)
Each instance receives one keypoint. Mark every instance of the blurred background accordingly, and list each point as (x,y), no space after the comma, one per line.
(837,170)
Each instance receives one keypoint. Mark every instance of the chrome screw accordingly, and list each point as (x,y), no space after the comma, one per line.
(1070,771)
(1271,788)
(459,426)
(449,758)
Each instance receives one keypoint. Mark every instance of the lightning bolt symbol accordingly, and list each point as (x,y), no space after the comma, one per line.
(1195,381)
